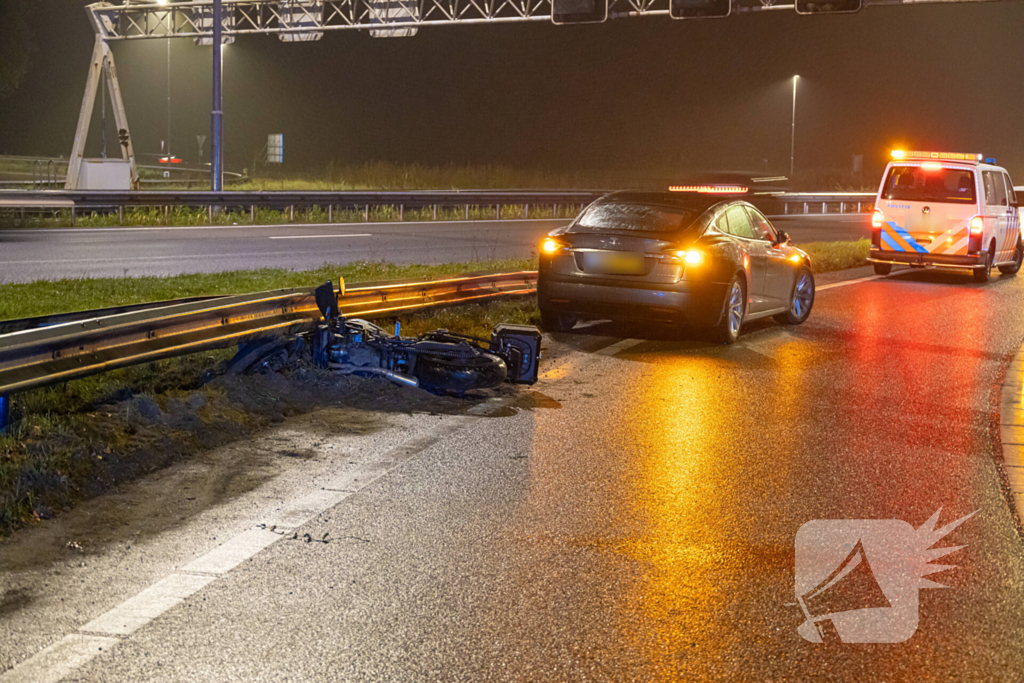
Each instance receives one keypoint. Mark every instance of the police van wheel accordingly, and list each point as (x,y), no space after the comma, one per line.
(1018,258)
(981,274)
(882,268)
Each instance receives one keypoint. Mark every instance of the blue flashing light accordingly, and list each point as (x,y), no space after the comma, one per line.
(990,160)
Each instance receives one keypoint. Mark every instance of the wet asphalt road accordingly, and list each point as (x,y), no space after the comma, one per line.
(27,255)
(633,517)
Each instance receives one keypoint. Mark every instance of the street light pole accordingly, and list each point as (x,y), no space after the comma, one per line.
(217,116)
(792,135)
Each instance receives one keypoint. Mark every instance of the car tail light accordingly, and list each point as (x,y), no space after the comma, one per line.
(551,246)
(689,257)
(977,225)
(877,219)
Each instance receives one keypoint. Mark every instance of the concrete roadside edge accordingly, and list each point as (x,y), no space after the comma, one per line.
(1011,430)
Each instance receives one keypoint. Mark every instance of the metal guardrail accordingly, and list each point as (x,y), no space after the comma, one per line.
(93,343)
(111,201)
(114,201)
(825,202)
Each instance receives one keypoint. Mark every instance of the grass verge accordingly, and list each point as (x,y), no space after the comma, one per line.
(830,256)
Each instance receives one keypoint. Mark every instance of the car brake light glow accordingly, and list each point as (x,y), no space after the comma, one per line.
(977,225)
(877,219)
(899,154)
(550,246)
(691,257)
(710,189)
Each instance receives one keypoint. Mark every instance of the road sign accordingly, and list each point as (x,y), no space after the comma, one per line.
(699,9)
(827,6)
(579,11)
(275,148)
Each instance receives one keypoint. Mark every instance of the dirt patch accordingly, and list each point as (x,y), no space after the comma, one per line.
(134,435)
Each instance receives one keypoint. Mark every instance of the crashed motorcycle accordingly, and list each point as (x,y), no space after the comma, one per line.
(442,362)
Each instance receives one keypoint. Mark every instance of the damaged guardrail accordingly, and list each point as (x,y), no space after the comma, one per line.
(91,344)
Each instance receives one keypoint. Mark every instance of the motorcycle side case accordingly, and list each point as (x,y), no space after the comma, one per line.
(519,345)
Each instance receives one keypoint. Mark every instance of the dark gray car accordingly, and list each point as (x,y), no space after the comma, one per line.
(702,259)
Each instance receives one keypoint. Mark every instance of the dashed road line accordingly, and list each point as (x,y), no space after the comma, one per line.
(317,237)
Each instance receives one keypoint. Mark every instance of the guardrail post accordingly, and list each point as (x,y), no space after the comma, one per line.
(555,212)
(497,212)
(785,208)
(806,208)
(842,207)
(5,412)
(120,215)
(858,207)
(435,212)
(291,213)
(366,214)
(824,207)
(72,216)
(252,213)
(527,211)
(330,213)
(210,207)
(401,212)
(467,212)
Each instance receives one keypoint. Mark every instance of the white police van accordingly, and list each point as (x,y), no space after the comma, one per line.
(948,210)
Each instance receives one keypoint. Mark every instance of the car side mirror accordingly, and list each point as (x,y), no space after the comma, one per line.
(781,237)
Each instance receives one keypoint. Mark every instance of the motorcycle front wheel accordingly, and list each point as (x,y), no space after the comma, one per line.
(458,375)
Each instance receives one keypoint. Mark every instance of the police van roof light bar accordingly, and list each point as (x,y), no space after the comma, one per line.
(900,155)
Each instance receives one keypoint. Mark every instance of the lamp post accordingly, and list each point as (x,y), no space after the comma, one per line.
(792,136)
(217,115)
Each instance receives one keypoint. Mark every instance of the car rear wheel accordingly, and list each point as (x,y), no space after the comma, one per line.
(554,322)
(734,309)
(1018,258)
(802,300)
(882,268)
(981,274)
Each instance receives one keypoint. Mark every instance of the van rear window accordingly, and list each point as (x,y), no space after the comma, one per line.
(940,185)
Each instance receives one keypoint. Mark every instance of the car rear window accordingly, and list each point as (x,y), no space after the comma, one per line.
(940,185)
(640,217)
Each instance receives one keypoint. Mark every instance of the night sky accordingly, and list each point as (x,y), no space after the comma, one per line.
(635,94)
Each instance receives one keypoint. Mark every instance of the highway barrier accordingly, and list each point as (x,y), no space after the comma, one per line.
(91,342)
(110,202)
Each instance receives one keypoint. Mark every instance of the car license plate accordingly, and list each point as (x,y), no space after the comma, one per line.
(613,262)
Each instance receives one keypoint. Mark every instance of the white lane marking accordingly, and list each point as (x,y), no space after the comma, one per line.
(855,281)
(237,550)
(316,237)
(618,347)
(278,226)
(298,511)
(138,611)
(53,663)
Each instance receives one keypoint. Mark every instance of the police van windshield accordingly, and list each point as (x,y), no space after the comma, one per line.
(938,185)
